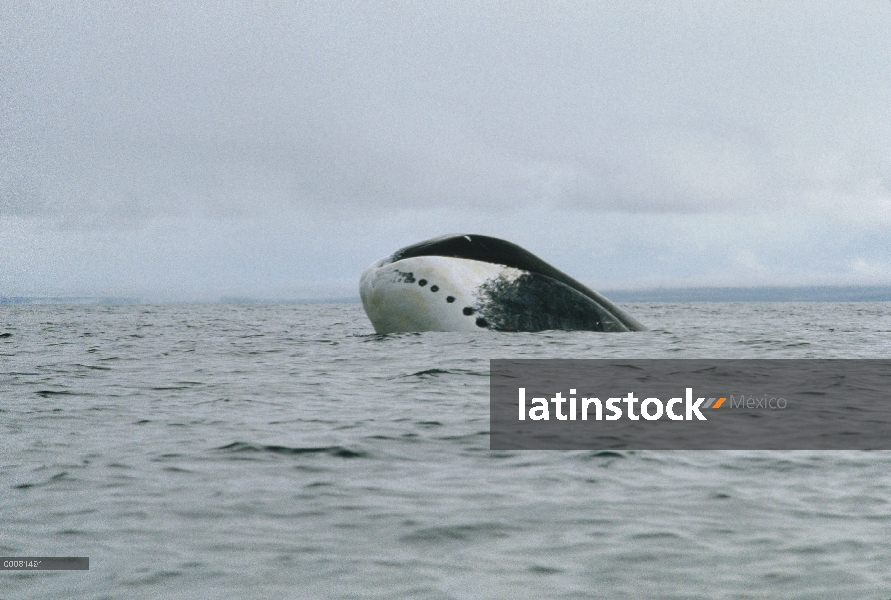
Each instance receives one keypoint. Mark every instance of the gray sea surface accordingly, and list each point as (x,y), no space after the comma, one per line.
(286,451)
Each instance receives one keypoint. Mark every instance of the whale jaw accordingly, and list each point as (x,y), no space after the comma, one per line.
(473,282)
(426,293)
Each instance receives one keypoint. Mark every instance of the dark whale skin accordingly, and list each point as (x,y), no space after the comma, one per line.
(543,298)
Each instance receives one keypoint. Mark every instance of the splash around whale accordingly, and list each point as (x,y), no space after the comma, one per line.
(473,282)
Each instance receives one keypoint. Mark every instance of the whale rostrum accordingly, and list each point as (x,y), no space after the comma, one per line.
(473,282)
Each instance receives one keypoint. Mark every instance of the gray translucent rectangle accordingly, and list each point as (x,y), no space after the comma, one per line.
(827,404)
(44,563)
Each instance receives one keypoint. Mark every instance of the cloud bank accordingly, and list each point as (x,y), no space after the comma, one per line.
(274,151)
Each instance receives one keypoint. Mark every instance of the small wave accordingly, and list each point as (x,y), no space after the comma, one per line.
(543,570)
(380,337)
(338,451)
(437,372)
(429,373)
(180,385)
(459,533)
(51,393)
(61,476)
(5,335)
(656,535)
(607,454)
(154,578)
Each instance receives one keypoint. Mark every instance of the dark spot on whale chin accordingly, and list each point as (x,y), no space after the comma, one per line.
(450,299)
(422,282)
(434,288)
(468,311)
(482,322)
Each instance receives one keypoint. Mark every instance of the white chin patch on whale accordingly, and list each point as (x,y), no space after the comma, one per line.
(429,293)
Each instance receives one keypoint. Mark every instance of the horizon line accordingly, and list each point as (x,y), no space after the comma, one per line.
(764,293)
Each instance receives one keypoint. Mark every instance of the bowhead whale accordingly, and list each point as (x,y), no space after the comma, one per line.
(473,282)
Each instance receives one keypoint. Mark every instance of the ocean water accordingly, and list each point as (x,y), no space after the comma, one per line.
(286,451)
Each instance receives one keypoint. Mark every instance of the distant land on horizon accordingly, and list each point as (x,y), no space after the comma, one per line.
(849,293)
(815,293)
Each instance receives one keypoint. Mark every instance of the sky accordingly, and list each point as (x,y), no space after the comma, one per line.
(273,150)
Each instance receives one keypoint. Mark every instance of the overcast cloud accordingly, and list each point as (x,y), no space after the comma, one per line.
(273,150)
